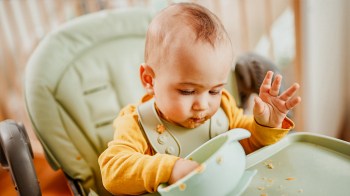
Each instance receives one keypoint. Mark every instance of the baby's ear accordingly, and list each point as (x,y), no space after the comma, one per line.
(146,76)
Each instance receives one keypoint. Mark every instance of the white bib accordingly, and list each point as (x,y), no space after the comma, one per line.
(177,140)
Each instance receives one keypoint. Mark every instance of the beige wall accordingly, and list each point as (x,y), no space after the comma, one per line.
(326,65)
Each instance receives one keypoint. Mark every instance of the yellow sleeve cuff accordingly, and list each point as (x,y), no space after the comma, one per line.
(267,135)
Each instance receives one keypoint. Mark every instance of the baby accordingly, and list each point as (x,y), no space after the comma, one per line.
(188,58)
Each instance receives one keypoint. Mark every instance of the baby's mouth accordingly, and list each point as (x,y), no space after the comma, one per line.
(198,119)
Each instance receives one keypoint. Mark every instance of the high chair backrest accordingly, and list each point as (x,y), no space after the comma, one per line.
(77,80)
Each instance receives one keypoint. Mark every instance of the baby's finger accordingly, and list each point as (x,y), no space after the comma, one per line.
(287,94)
(258,106)
(266,83)
(290,104)
(276,84)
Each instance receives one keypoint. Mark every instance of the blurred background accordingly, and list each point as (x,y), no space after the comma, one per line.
(309,40)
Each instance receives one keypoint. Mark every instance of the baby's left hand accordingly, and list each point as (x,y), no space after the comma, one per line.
(270,109)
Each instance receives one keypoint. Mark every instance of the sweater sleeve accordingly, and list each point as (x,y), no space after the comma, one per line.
(260,135)
(128,165)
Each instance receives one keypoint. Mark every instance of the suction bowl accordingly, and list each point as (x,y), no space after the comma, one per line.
(222,168)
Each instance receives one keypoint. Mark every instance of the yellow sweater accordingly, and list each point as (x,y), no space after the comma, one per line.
(130,166)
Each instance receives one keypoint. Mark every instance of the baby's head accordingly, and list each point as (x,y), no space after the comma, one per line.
(182,24)
(188,57)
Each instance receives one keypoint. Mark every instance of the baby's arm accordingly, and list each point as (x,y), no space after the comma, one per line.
(181,168)
(128,171)
(129,166)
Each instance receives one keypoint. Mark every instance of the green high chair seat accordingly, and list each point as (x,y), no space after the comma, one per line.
(77,80)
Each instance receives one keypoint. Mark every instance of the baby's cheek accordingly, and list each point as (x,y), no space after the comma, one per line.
(216,107)
(176,113)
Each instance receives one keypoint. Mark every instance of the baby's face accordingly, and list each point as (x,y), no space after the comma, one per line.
(188,85)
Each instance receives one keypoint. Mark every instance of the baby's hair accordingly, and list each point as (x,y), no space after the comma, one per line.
(205,25)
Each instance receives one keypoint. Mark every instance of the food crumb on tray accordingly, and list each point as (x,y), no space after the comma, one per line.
(261,188)
(269,164)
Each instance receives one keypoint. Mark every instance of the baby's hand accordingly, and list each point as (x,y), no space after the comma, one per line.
(181,168)
(270,109)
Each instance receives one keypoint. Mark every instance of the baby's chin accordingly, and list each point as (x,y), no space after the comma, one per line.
(191,124)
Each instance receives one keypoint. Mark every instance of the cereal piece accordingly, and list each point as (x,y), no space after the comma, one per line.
(263,194)
(182,187)
(261,188)
(160,128)
(300,190)
(290,178)
(219,160)
(270,166)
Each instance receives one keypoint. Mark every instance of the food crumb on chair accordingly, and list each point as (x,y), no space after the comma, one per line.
(160,128)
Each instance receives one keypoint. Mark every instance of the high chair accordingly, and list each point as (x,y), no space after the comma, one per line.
(77,80)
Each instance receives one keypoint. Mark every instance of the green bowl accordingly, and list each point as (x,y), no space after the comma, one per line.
(221,171)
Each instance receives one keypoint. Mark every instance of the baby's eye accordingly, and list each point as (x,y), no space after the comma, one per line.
(186,92)
(216,92)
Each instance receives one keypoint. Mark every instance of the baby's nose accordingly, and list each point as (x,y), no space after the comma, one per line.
(200,104)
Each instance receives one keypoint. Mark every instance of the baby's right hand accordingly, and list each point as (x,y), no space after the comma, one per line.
(181,168)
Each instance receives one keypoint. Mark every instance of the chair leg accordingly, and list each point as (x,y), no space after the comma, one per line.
(16,155)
